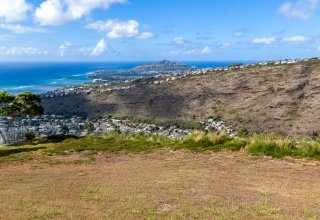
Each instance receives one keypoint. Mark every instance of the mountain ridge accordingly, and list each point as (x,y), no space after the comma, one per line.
(283,99)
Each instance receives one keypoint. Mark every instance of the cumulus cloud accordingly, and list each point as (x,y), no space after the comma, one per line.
(264,40)
(57,12)
(14,10)
(116,29)
(296,39)
(64,47)
(21,51)
(19,29)
(302,9)
(100,48)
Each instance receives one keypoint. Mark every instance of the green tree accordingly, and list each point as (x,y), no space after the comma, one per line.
(30,136)
(21,105)
(90,127)
(64,129)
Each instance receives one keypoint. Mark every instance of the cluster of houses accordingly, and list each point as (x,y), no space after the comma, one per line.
(48,125)
(86,89)
(66,91)
(218,126)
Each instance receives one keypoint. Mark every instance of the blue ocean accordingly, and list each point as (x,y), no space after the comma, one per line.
(43,77)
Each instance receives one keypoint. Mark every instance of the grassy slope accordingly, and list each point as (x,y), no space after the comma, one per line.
(264,144)
(283,99)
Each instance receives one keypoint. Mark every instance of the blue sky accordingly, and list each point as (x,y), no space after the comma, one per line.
(137,30)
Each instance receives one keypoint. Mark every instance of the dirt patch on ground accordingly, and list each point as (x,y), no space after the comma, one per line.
(161,185)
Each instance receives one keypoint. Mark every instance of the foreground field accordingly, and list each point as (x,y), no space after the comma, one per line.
(163,184)
(205,176)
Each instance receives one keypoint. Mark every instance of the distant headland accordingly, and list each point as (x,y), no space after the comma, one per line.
(157,68)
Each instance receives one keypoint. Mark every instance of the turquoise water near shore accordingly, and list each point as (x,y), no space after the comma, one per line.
(43,77)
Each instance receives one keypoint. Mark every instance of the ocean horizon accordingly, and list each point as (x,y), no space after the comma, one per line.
(41,77)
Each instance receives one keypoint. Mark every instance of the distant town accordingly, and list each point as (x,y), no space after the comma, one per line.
(48,125)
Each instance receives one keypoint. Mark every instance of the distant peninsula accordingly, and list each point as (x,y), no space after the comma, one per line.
(158,68)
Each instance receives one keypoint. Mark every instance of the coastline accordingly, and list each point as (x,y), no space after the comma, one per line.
(44,77)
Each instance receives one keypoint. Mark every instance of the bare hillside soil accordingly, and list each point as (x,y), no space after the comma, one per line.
(160,185)
(284,99)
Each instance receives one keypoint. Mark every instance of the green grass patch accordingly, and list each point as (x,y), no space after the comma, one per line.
(9,153)
(277,146)
(210,142)
(258,144)
(111,143)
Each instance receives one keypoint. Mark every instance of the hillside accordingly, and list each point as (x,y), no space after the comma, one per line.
(284,98)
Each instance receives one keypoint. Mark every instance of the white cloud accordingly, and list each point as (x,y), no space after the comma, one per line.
(296,39)
(14,10)
(123,29)
(19,29)
(21,51)
(145,35)
(51,13)
(116,29)
(302,9)
(64,47)
(264,40)
(206,50)
(238,34)
(203,51)
(57,12)
(180,40)
(100,48)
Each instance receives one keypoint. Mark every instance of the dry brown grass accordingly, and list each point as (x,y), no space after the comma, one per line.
(160,185)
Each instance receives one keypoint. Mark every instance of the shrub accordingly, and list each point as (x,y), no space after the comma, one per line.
(30,136)
(243,133)
(215,118)
(200,141)
(90,127)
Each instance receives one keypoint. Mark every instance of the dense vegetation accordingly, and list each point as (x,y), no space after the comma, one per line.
(23,104)
(263,144)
